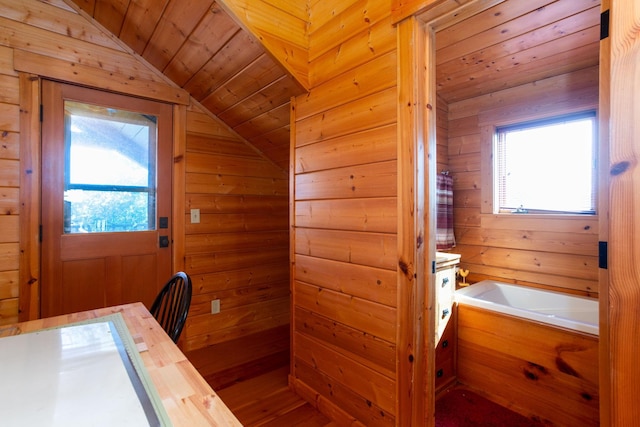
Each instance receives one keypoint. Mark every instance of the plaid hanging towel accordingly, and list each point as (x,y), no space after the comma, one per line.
(444,205)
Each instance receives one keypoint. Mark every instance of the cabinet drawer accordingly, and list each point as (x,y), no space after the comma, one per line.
(445,278)
(446,355)
(445,348)
(445,372)
(447,342)
(444,287)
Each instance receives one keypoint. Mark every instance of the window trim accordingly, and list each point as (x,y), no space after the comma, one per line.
(550,120)
(489,123)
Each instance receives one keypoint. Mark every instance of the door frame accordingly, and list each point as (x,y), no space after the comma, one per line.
(416,22)
(619,281)
(29,275)
(109,260)
(415,384)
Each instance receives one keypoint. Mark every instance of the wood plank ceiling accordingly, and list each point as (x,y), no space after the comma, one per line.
(516,42)
(197,45)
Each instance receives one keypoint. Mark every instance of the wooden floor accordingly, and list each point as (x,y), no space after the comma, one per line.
(266,400)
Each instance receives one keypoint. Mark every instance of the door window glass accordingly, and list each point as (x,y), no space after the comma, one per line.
(110,169)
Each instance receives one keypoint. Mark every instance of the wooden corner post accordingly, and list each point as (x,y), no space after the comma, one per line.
(416,162)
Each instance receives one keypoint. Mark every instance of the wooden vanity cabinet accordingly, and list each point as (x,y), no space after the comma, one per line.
(446,355)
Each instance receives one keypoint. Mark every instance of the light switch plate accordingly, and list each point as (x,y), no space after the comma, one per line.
(195,216)
(215,306)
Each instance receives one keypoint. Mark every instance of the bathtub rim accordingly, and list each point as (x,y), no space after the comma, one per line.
(466,296)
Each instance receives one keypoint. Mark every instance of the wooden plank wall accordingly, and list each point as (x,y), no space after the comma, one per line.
(239,251)
(345,213)
(9,187)
(442,135)
(552,252)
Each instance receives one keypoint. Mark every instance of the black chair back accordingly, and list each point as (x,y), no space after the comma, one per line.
(171,306)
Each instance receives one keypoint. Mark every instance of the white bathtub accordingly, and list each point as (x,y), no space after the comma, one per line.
(554,308)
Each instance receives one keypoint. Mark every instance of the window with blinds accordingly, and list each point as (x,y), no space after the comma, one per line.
(547,166)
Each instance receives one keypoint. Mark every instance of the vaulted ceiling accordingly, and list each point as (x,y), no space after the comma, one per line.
(203,47)
(198,46)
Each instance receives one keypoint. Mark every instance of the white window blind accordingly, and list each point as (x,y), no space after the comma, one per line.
(547,166)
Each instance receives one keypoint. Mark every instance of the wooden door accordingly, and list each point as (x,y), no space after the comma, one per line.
(106,199)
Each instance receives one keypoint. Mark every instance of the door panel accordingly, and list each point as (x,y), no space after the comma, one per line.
(137,269)
(83,285)
(85,263)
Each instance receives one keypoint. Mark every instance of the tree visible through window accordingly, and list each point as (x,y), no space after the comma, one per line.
(547,166)
(110,177)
